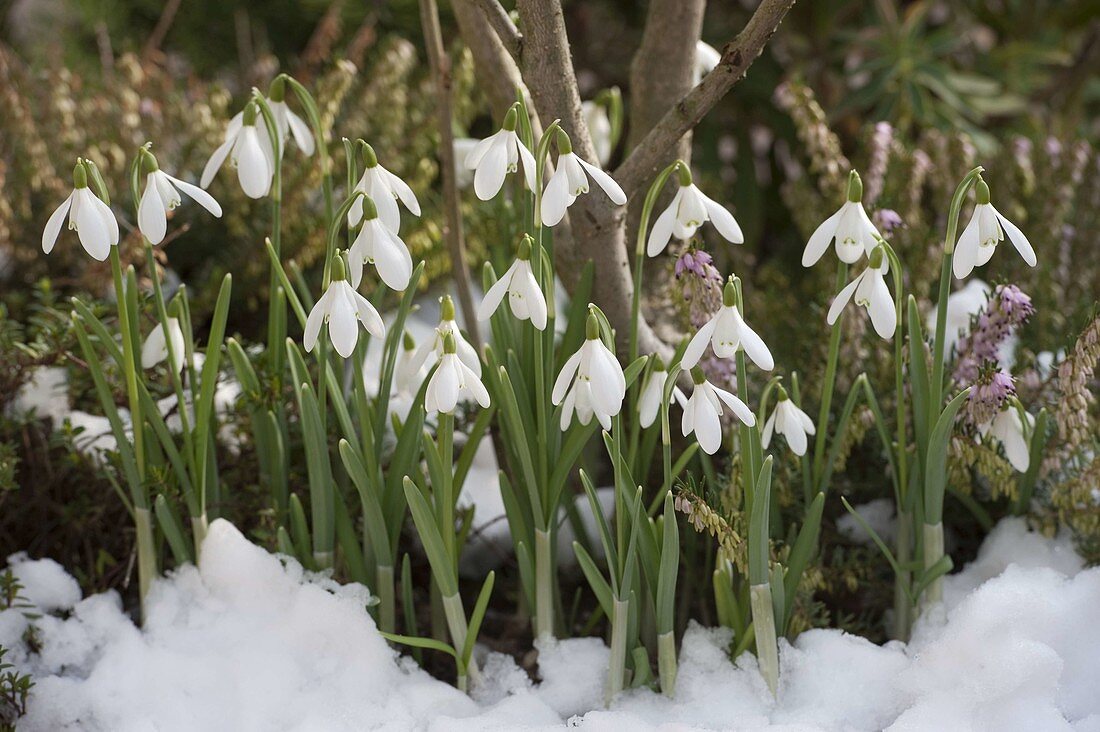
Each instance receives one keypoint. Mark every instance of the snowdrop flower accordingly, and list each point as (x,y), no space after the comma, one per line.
(599,129)
(703,411)
(870,292)
(452,381)
(590,382)
(385,189)
(1008,429)
(464,177)
(162,194)
(706,58)
(93,220)
(687,211)
(341,306)
(791,422)
(434,345)
(407,378)
(849,226)
(570,179)
(155,348)
(249,149)
(987,229)
(522,289)
(649,402)
(377,244)
(727,332)
(500,154)
(287,122)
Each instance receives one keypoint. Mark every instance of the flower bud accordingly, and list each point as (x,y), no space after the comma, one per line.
(449,345)
(446,308)
(370,160)
(855,187)
(524,252)
(339,271)
(80,175)
(510,119)
(565,145)
(982,191)
(592,327)
(683,172)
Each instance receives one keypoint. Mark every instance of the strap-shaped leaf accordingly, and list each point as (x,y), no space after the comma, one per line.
(600,587)
(373,519)
(477,616)
(670,568)
(935,474)
(759,552)
(173,530)
(442,567)
(805,546)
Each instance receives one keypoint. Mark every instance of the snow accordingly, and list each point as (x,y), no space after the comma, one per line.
(249,641)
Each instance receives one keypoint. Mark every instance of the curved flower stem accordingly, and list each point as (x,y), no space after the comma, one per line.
(639,254)
(275,331)
(828,384)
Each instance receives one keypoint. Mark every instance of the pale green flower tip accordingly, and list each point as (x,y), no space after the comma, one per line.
(277,91)
(782,393)
(876,257)
(149,162)
(565,145)
(248,119)
(447,308)
(524,252)
(511,118)
(370,159)
(982,191)
(592,327)
(683,172)
(339,271)
(697,375)
(370,211)
(855,187)
(449,345)
(80,175)
(407,341)
(729,293)
(658,363)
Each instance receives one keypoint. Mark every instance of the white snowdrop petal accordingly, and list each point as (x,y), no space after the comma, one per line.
(152,218)
(766,434)
(842,299)
(198,195)
(253,171)
(740,409)
(819,240)
(154,350)
(796,438)
(606,182)
(90,227)
(881,309)
(314,322)
(698,345)
(342,328)
(489,177)
(708,427)
(392,259)
(565,378)
(754,346)
(661,231)
(379,191)
(54,224)
(403,192)
(217,158)
(495,295)
(723,221)
(303,137)
(556,198)
(473,159)
(527,162)
(966,250)
(1023,246)
(367,315)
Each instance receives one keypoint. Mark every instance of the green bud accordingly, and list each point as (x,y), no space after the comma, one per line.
(407,341)
(339,271)
(524,251)
(683,172)
(148,161)
(370,211)
(449,345)
(510,119)
(277,91)
(697,375)
(729,293)
(855,187)
(80,175)
(369,158)
(876,256)
(782,393)
(446,308)
(565,145)
(592,327)
(982,191)
(248,119)
(174,308)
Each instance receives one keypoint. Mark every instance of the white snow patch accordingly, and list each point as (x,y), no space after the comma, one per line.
(879,515)
(248,641)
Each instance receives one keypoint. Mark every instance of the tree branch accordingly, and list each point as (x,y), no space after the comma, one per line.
(496,68)
(502,23)
(645,160)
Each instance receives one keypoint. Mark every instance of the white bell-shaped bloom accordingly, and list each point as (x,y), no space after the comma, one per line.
(599,129)
(570,180)
(703,412)
(590,382)
(727,332)
(687,211)
(498,155)
(706,58)
(406,376)
(385,189)
(850,227)
(162,194)
(291,125)
(343,309)
(869,291)
(791,422)
(377,244)
(155,348)
(1009,429)
(433,346)
(653,393)
(987,229)
(249,148)
(93,220)
(453,381)
(518,283)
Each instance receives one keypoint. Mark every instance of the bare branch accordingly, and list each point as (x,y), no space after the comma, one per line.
(452,229)
(645,160)
(496,68)
(502,23)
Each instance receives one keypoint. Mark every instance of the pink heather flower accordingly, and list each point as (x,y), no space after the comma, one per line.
(702,285)
(989,395)
(887,219)
(1008,308)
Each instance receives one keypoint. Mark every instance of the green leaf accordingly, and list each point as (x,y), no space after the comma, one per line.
(759,552)
(805,546)
(670,568)
(600,588)
(434,548)
(173,530)
(935,474)
(430,644)
(477,616)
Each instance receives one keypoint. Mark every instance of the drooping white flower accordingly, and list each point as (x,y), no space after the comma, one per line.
(343,309)
(155,348)
(453,381)
(706,58)
(93,220)
(385,189)
(433,346)
(599,129)
(287,122)
(406,377)
(499,154)
(570,180)
(590,382)
(703,411)
(249,148)
(687,211)
(162,194)
(379,245)
(987,229)
(464,177)
(727,332)
(518,283)
(791,422)
(653,392)
(869,291)
(849,226)
(1008,429)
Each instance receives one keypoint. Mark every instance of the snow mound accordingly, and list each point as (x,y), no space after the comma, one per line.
(249,641)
